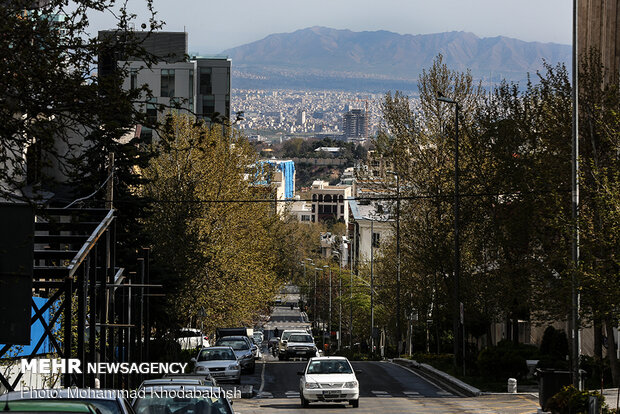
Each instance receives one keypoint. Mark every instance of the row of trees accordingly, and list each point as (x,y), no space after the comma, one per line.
(59,122)
(221,250)
(515,242)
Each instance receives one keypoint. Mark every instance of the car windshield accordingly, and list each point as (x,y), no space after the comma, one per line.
(236,344)
(287,335)
(197,405)
(329,367)
(300,338)
(216,355)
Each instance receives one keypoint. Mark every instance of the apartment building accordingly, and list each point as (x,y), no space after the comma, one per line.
(199,85)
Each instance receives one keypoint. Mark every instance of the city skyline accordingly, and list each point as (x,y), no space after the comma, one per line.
(251,21)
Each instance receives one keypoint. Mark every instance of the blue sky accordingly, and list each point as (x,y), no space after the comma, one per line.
(214,26)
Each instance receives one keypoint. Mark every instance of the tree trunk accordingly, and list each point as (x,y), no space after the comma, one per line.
(611,352)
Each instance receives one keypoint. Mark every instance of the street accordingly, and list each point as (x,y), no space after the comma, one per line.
(383,386)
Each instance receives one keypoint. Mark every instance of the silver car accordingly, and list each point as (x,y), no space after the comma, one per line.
(244,350)
(220,362)
(106,401)
(196,399)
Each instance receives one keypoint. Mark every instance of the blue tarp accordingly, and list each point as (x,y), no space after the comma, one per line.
(36,332)
(288,171)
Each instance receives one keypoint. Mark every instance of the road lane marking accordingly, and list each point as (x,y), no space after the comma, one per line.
(262,379)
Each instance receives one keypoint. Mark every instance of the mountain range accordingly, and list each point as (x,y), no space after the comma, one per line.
(325,58)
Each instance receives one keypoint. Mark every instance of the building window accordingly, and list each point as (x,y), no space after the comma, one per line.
(328,198)
(205,81)
(305,218)
(151,112)
(208,105)
(341,198)
(313,197)
(342,210)
(313,219)
(376,239)
(133,78)
(227,103)
(313,208)
(320,198)
(167,83)
(321,209)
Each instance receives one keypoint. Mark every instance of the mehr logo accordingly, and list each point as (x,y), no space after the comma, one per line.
(74,366)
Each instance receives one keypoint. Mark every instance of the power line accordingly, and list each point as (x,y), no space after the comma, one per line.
(381,198)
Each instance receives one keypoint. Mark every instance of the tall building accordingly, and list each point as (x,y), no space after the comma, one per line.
(301,117)
(199,84)
(599,27)
(355,124)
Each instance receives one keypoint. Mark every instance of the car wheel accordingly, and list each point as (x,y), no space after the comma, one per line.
(355,403)
(304,403)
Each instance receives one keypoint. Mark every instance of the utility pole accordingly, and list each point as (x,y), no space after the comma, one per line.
(457,253)
(372,287)
(339,305)
(398,325)
(575,328)
(351,288)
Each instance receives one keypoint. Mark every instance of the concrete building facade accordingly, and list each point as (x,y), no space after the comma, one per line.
(330,202)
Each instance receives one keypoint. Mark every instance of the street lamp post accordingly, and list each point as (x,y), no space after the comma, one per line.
(329,318)
(372,287)
(398,325)
(339,306)
(457,253)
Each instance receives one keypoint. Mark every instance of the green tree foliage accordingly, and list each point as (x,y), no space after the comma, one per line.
(218,250)
(515,149)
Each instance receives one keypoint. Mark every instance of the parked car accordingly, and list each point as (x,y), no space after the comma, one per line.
(190,338)
(220,362)
(186,380)
(258,337)
(106,401)
(300,345)
(243,351)
(199,400)
(284,339)
(50,406)
(329,379)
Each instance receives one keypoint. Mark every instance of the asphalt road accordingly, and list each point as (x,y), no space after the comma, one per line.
(384,387)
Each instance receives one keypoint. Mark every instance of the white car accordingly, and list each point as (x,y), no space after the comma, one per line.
(190,338)
(220,362)
(329,379)
(284,340)
(300,345)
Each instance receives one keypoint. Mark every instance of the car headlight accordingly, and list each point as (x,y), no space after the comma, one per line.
(234,366)
(352,384)
(312,385)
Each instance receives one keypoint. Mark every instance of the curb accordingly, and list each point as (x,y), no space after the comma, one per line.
(440,377)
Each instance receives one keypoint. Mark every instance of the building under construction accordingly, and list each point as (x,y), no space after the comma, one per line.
(355,124)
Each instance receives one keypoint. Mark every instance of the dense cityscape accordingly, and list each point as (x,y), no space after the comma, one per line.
(182,239)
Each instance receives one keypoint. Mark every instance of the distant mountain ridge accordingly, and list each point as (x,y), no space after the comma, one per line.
(317,53)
